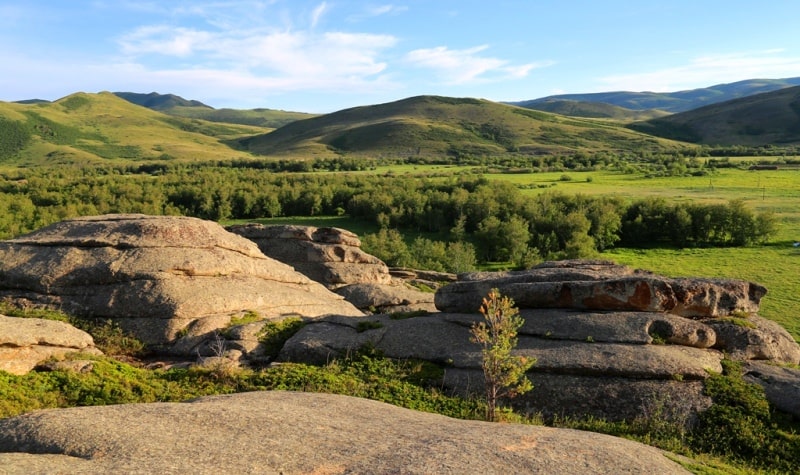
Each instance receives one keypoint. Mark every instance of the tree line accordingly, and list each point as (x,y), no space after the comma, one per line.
(493,220)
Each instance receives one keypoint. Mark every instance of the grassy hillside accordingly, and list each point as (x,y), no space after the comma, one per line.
(679,101)
(769,118)
(270,118)
(86,128)
(159,102)
(178,106)
(594,110)
(434,126)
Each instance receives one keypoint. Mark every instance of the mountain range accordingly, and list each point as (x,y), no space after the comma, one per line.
(671,102)
(130,126)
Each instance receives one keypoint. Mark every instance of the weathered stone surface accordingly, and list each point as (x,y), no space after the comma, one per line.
(595,285)
(445,339)
(781,384)
(331,256)
(380,298)
(616,327)
(302,433)
(156,276)
(618,398)
(26,342)
(755,338)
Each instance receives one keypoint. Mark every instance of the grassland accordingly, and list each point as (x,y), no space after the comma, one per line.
(98,128)
(774,265)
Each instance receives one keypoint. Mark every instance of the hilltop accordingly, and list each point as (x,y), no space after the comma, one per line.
(178,106)
(594,110)
(772,118)
(424,126)
(91,128)
(679,101)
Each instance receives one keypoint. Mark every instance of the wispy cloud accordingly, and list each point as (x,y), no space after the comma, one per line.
(317,13)
(464,66)
(706,70)
(373,11)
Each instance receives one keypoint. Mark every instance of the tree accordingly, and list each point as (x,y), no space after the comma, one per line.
(503,372)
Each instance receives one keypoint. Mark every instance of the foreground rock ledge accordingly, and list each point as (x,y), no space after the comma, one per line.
(158,277)
(289,433)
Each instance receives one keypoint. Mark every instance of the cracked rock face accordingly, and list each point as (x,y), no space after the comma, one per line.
(26,342)
(331,256)
(156,276)
(600,285)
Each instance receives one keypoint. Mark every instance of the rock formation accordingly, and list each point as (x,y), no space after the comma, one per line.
(330,256)
(609,340)
(333,257)
(305,433)
(601,285)
(397,298)
(26,342)
(161,278)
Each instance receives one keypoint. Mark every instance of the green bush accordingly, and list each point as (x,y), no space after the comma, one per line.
(740,425)
(275,333)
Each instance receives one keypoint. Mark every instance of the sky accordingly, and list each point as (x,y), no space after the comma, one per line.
(322,56)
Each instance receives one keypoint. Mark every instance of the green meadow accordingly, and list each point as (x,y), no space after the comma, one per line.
(776,265)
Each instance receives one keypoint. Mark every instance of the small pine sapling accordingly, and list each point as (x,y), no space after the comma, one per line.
(497,334)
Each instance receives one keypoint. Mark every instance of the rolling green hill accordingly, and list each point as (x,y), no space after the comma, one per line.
(86,128)
(426,126)
(772,118)
(594,110)
(178,106)
(679,101)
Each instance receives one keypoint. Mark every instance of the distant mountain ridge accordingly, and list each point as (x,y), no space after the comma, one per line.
(674,102)
(771,118)
(178,106)
(159,102)
(595,110)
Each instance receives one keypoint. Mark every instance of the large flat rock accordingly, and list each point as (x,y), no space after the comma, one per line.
(292,433)
(156,275)
(598,285)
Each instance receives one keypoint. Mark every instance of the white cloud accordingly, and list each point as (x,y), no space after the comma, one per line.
(372,11)
(165,40)
(707,70)
(386,9)
(467,65)
(317,13)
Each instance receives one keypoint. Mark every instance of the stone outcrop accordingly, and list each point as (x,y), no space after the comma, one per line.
(27,342)
(608,340)
(611,375)
(160,278)
(378,298)
(302,433)
(330,256)
(781,384)
(601,285)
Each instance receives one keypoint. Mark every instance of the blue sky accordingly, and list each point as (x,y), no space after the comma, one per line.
(323,56)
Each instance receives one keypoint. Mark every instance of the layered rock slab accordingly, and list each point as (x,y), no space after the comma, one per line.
(27,342)
(615,375)
(330,256)
(602,285)
(158,277)
(302,433)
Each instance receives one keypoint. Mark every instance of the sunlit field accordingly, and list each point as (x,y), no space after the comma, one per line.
(775,265)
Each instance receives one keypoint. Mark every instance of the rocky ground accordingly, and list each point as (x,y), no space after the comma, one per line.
(609,341)
(278,432)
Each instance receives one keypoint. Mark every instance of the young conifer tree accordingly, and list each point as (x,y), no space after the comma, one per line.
(503,372)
